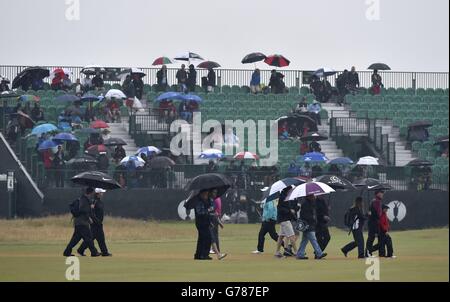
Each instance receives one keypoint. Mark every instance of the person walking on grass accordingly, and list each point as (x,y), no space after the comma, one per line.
(354,219)
(384,237)
(284,216)
(323,218)
(309,216)
(201,205)
(374,223)
(215,212)
(269,220)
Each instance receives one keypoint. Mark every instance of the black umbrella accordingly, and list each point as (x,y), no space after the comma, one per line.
(29,72)
(379,66)
(442,140)
(82,161)
(300,120)
(67,98)
(253,58)
(314,137)
(208,65)
(160,162)
(25,120)
(336,182)
(96,179)
(114,142)
(419,162)
(206,182)
(371,184)
(420,124)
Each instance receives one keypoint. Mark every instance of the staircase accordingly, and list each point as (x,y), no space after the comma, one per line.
(120,130)
(329,146)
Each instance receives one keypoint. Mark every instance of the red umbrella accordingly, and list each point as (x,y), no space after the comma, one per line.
(96,150)
(277,60)
(99,124)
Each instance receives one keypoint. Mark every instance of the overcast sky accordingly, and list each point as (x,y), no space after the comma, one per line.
(410,35)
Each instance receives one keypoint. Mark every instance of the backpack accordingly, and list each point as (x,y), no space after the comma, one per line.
(349,218)
(74,207)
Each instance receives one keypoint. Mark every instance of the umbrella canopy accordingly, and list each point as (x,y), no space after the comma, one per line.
(246,155)
(48,144)
(336,182)
(96,179)
(253,58)
(211,154)
(96,150)
(4,79)
(207,181)
(89,97)
(315,157)
(132,161)
(419,162)
(341,161)
(299,120)
(368,161)
(24,120)
(64,137)
(29,72)
(324,72)
(82,161)
(28,98)
(278,186)
(169,96)
(191,97)
(277,60)
(44,128)
(420,124)
(309,188)
(379,66)
(208,65)
(67,98)
(132,71)
(99,124)
(442,140)
(187,56)
(148,151)
(115,93)
(314,137)
(113,141)
(162,61)
(161,162)
(93,69)
(372,184)
(89,130)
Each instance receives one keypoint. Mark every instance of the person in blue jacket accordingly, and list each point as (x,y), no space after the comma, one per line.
(255,82)
(269,221)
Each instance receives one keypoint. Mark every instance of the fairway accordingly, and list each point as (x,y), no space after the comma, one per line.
(31,250)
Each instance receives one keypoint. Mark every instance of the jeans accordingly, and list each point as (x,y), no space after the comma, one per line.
(311,237)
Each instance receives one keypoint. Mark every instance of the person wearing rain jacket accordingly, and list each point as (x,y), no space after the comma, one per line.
(385,238)
(138,86)
(202,223)
(356,224)
(323,217)
(211,79)
(314,110)
(255,82)
(191,78)
(269,221)
(375,212)
(161,77)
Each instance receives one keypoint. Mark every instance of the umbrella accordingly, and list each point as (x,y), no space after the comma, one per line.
(96,179)
(442,140)
(99,124)
(379,66)
(67,98)
(132,71)
(115,93)
(368,161)
(62,137)
(162,61)
(148,151)
(39,72)
(48,144)
(253,58)
(314,137)
(192,97)
(300,120)
(89,130)
(336,182)
(372,184)
(341,161)
(282,184)
(188,56)
(246,155)
(420,124)
(132,161)
(24,120)
(96,150)
(309,188)
(324,72)
(419,162)
(211,154)
(93,69)
(44,128)
(114,142)
(4,79)
(170,96)
(28,98)
(277,60)
(314,157)
(89,97)
(161,162)
(208,65)
(206,181)
(82,161)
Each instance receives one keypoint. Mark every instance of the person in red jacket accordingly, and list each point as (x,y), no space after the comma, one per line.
(385,239)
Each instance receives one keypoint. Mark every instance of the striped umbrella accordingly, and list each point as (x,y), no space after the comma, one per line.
(324,72)
(278,186)
(162,61)
(132,161)
(246,155)
(211,154)
(149,150)
(309,188)
(277,60)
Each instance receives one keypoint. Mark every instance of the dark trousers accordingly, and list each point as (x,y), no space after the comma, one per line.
(385,243)
(81,232)
(266,227)
(59,177)
(358,241)
(215,235)
(203,241)
(323,236)
(373,232)
(97,234)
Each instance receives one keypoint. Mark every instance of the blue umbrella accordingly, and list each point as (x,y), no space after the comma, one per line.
(211,154)
(61,137)
(150,150)
(314,157)
(89,97)
(341,161)
(170,96)
(44,128)
(48,144)
(132,162)
(67,98)
(192,97)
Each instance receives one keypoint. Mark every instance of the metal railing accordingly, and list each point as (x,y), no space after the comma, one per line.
(348,126)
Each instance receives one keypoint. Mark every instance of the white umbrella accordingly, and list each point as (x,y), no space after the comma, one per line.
(92,69)
(309,188)
(140,162)
(368,161)
(187,56)
(115,93)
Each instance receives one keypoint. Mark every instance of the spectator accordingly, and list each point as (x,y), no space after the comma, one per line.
(191,78)
(119,154)
(353,80)
(211,80)
(327,91)
(284,216)
(302,106)
(323,218)
(161,77)
(4,85)
(48,165)
(182,78)
(138,86)
(87,83)
(314,111)
(342,84)
(37,114)
(417,134)
(276,82)
(212,167)
(334,169)
(385,238)
(57,82)
(66,83)
(167,110)
(58,166)
(97,81)
(37,83)
(356,219)
(78,88)
(283,133)
(376,83)
(103,163)
(316,87)
(314,147)
(184,112)
(113,111)
(316,171)
(255,82)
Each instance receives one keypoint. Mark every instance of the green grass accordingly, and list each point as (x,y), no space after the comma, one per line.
(31,250)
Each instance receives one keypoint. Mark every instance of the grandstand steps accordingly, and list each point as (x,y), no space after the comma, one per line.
(120,130)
